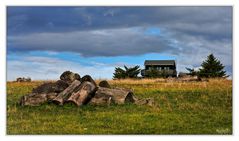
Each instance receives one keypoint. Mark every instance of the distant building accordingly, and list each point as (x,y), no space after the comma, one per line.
(183,74)
(163,67)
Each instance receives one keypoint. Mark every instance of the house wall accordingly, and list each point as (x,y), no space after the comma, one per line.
(160,67)
(169,70)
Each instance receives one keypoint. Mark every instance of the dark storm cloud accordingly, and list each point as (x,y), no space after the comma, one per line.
(117,31)
(206,21)
(109,42)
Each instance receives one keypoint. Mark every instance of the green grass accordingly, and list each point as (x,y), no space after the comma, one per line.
(181,108)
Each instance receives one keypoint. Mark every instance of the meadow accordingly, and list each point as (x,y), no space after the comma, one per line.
(180,108)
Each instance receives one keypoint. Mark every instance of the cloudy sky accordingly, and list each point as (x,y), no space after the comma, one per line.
(42,42)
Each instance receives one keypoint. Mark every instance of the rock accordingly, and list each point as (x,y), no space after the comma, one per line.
(104,84)
(69,77)
(51,87)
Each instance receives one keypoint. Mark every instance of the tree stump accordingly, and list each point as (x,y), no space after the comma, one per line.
(83,94)
(64,95)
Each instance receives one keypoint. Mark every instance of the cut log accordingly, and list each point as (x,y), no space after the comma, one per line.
(64,95)
(119,96)
(51,96)
(35,99)
(89,79)
(69,77)
(51,87)
(32,99)
(83,94)
(101,99)
(104,84)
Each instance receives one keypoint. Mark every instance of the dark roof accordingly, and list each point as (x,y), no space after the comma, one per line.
(159,62)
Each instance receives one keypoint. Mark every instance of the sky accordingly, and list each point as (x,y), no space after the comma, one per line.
(43,42)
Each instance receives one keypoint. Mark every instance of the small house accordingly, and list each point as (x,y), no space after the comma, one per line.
(166,68)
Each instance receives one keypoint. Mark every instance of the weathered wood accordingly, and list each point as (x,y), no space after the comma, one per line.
(119,96)
(69,77)
(80,92)
(35,99)
(51,87)
(104,84)
(51,96)
(89,79)
(64,95)
(83,94)
(101,99)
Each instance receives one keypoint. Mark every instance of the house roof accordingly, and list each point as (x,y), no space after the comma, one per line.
(159,62)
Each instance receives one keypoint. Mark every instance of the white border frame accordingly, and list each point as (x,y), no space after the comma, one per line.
(5,3)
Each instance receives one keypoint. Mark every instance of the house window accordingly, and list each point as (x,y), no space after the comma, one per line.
(166,68)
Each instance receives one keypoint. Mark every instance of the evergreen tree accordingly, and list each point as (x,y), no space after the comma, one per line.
(132,72)
(212,67)
(127,72)
(119,73)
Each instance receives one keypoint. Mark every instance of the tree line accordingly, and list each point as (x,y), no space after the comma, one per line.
(211,67)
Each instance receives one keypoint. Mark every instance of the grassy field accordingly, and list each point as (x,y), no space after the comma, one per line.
(181,108)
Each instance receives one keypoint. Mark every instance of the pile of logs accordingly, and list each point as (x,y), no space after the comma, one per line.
(71,88)
(23,79)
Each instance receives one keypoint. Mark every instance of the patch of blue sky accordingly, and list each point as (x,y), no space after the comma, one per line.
(133,60)
(90,61)
(12,57)
(155,31)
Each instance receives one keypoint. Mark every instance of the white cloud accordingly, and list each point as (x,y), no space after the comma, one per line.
(45,68)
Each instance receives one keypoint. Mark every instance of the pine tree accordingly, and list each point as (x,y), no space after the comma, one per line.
(212,68)
(127,72)
(119,73)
